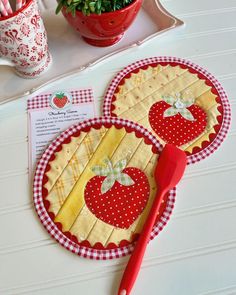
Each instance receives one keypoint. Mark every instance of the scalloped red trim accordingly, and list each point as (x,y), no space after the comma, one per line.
(217,127)
(85,243)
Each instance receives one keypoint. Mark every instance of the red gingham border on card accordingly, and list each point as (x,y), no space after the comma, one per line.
(212,147)
(47,221)
(43,100)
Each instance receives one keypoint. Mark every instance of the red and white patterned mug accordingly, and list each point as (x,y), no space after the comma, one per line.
(23,41)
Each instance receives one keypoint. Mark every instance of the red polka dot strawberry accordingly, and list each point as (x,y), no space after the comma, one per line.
(117,195)
(176,120)
(60,100)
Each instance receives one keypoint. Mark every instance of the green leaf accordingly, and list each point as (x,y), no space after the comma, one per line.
(120,165)
(99,4)
(188,102)
(108,162)
(186,114)
(84,11)
(125,179)
(73,11)
(169,99)
(107,184)
(100,171)
(92,6)
(59,6)
(170,112)
(60,95)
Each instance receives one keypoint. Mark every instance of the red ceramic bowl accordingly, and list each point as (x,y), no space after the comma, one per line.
(105,29)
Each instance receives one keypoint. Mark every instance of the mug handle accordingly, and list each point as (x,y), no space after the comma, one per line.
(6,62)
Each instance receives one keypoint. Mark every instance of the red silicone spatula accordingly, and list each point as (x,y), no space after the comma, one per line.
(169,171)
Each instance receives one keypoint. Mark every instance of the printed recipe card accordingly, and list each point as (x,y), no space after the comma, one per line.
(51,113)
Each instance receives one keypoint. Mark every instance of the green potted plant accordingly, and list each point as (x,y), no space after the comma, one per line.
(100,22)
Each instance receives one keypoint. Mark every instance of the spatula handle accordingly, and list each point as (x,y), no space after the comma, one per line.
(136,258)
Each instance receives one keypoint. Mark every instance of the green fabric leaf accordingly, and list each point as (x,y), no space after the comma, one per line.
(188,102)
(100,171)
(125,179)
(107,184)
(170,112)
(112,174)
(169,99)
(120,165)
(186,114)
(108,162)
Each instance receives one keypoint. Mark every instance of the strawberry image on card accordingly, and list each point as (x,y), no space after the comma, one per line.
(60,100)
(117,195)
(177,121)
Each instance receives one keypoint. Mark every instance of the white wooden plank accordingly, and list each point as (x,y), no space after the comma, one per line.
(61,267)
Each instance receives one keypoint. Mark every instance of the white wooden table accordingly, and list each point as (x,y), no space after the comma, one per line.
(196,252)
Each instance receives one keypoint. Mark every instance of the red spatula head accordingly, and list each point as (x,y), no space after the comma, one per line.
(170,167)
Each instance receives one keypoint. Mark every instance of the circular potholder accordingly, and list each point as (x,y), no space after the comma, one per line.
(94,186)
(178,101)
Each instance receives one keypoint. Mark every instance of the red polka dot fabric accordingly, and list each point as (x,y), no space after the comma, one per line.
(121,205)
(176,129)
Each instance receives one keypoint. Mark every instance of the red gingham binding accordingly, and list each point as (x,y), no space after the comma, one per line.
(47,221)
(43,100)
(211,148)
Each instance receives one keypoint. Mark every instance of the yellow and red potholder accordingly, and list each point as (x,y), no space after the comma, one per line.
(176,100)
(94,187)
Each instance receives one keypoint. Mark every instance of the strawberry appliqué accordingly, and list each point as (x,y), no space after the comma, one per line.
(117,195)
(177,121)
(60,100)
